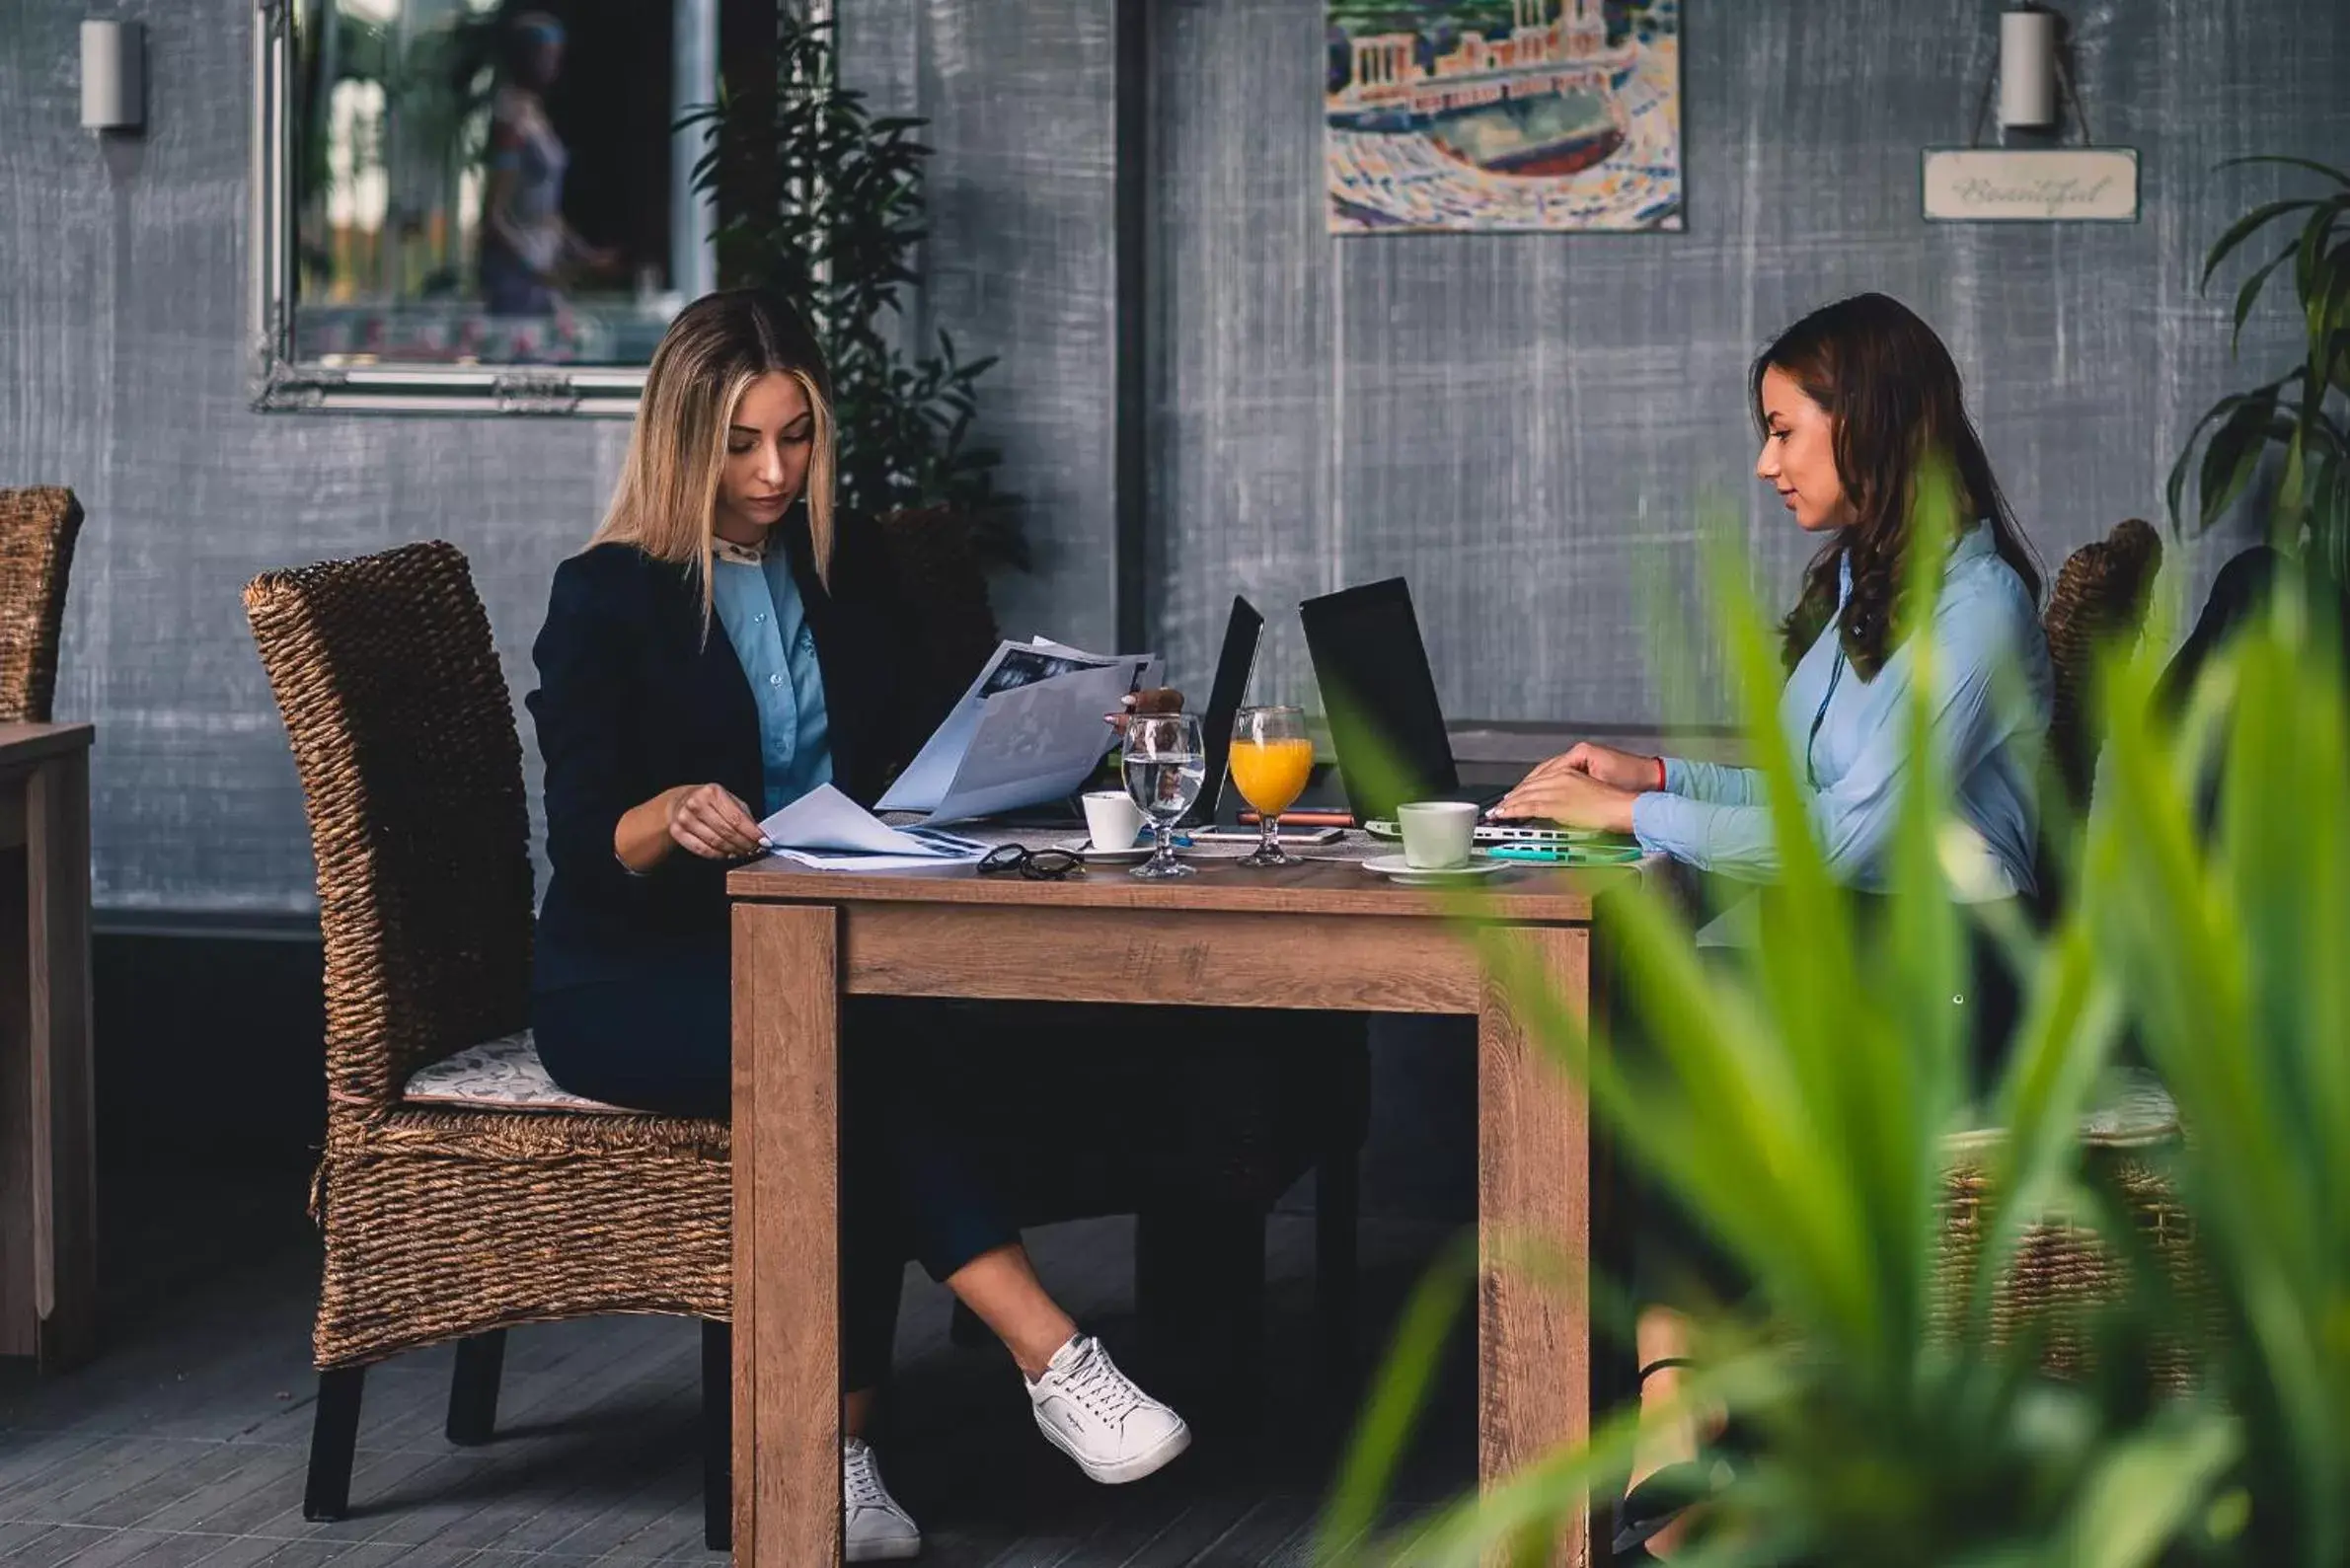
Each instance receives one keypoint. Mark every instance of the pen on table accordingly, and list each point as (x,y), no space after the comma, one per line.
(1305,819)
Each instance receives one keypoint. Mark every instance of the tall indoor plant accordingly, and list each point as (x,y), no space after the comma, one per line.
(833,222)
(2300,411)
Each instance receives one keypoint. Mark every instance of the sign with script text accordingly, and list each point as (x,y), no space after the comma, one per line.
(2053,184)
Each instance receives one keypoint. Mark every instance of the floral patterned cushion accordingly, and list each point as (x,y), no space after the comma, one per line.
(504,1072)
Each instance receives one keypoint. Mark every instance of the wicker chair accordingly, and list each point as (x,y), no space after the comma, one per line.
(37,530)
(2062,1270)
(2099,599)
(453,1221)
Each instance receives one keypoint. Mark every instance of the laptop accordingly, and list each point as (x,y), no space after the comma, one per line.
(1373,671)
(1244,630)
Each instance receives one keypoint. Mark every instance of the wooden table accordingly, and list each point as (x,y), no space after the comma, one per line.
(1320,935)
(47,1174)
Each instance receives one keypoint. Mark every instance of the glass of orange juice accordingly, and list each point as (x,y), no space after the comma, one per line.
(1272,759)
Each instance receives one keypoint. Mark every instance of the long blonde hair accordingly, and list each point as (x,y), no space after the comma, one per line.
(666,501)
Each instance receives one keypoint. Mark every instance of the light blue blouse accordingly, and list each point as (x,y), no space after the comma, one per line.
(1988,713)
(759,606)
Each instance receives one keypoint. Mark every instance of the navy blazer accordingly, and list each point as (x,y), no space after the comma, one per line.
(639,693)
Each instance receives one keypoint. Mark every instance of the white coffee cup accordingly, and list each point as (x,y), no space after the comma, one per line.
(1112,820)
(1437,833)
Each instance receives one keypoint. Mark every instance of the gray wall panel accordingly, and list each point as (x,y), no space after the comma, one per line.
(1019,261)
(1241,487)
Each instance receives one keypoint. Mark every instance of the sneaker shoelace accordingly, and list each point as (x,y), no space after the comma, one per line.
(1100,1388)
(863,1481)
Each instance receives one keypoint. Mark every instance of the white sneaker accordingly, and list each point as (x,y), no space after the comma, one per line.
(1092,1412)
(875,1529)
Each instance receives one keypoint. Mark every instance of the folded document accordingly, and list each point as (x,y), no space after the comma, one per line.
(827,831)
(1028,731)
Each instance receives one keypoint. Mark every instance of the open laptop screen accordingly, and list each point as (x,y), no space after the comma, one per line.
(1373,671)
(1243,629)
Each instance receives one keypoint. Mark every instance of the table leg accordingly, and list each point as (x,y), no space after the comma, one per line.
(787,1235)
(1534,1343)
(49,1275)
(20,1173)
(57,898)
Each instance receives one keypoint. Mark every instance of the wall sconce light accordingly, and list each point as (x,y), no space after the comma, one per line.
(2029,65)
(113,76)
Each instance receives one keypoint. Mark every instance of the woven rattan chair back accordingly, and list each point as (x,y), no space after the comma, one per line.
(2099,600)
(37,529)
(404,736)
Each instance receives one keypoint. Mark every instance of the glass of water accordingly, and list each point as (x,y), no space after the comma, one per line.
(1164,767)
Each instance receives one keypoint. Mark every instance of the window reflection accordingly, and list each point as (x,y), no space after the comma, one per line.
(488,182)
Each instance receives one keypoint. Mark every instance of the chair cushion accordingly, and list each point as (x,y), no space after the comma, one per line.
(2130,1109)
(506,1075)
(2134,1111)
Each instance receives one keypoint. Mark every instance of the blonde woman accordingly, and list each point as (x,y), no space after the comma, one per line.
(724,645)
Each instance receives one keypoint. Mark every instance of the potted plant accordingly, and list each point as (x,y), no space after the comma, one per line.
(2298,410)
(837,213)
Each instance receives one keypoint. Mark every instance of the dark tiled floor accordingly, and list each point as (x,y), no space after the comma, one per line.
(186,1442)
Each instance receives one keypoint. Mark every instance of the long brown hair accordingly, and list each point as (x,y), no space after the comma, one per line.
(666,501)
(1892,393)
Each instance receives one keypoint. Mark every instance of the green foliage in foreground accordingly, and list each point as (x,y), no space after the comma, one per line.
(1797,1104)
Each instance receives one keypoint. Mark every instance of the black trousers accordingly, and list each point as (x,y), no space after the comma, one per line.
(662,1039)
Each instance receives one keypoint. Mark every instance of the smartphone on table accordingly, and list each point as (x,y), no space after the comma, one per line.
(1249,834)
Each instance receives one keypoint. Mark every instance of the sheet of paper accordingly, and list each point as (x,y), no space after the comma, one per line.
(1029,730)
(1015,666)
(1036,743)
(1153,671)
(870,862)
(826,821)
(930,774)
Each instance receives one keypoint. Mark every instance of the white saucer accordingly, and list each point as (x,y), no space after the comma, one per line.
(1397,868)
(1084,850)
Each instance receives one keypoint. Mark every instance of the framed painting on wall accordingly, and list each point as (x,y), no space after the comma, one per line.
(1504,116)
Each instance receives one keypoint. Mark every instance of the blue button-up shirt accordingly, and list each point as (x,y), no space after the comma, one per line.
(760,608)
(1988,713)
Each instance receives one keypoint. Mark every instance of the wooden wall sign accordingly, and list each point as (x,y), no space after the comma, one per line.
(2014,184)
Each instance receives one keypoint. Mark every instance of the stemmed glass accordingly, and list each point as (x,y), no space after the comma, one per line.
(1271,760)
(1164,767)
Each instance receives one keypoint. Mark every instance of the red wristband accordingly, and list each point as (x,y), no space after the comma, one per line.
(1660,775)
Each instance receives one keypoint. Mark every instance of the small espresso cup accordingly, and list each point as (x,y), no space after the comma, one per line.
(1437,833)
(1112,820)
